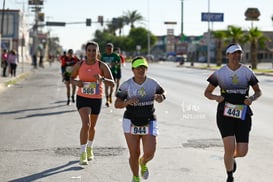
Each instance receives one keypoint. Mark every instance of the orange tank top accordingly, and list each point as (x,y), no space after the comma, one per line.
(91,87)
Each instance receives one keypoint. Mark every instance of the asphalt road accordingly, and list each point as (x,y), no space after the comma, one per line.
(39,134)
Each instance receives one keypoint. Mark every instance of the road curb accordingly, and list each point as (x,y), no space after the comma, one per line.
(14,80)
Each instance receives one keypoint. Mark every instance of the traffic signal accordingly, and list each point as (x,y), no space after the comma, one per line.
(100,20)
(41,17)
(88,22)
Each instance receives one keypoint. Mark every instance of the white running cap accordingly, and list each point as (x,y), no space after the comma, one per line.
(234,48)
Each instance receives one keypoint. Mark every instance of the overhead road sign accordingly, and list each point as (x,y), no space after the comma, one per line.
(53,23)
(170,22)
(212,17)
(35,2)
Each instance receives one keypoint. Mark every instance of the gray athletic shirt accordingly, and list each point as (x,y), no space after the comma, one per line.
(145,94)
(234,85)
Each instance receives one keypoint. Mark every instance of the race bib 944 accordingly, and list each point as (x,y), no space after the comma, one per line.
(235,111)
(139,130)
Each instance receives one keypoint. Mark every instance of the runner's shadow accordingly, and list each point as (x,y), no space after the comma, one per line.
(30,109)
(49,172)
(46,114)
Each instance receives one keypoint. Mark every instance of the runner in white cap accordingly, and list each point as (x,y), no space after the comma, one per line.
(233,112)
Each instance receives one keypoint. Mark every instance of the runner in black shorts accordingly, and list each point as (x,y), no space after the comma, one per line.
(93,104)
(233,112)
(91,74)
(234,127)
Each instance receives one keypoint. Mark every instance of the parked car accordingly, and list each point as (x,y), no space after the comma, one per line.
(202,59)
(180,59)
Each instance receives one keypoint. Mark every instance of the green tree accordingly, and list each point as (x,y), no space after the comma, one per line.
(120,24)
(220,36)
(131,17)
(112,27)
(139,36)
(235,34)
(103,37)
(116,24)
(256,39)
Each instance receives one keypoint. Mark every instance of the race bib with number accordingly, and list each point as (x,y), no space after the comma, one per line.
(235,111)
(139,130)
(68,69)
(90,88)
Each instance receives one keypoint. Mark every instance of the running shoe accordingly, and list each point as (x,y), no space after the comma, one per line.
(83,159)
(135,179)
(90,154)
(234,166)
(144,169)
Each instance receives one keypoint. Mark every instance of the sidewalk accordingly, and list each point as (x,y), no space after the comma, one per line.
(23,70)
(263,68)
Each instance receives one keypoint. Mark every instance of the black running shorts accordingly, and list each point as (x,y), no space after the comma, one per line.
(234,127)
(94,104)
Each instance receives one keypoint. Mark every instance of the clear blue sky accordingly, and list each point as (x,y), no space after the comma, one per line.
(155,12)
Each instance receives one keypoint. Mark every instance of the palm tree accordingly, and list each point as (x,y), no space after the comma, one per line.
(113,26)
(256,38)
(220,36)
(120,24)
(132,17)
(116,24)
(235,34)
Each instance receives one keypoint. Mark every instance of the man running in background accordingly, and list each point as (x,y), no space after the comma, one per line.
(114,62)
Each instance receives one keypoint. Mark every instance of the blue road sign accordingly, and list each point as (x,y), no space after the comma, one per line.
(212,17)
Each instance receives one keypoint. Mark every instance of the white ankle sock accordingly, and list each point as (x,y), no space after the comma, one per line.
(83,148)
(90,143)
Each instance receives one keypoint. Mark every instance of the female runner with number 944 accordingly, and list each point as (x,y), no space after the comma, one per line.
(138,94)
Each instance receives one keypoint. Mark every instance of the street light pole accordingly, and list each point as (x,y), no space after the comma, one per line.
(2,20)
(182,19)
(148,31)
(208,46)
(2,25)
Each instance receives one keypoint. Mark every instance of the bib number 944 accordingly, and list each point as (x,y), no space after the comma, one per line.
(140,130)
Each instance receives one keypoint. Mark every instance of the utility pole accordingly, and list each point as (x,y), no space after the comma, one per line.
(182,19)
(148,31)
(2,20)
(208,46)
(36,8)
(2,25)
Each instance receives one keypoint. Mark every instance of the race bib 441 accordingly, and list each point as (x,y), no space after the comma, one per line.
(235,111)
